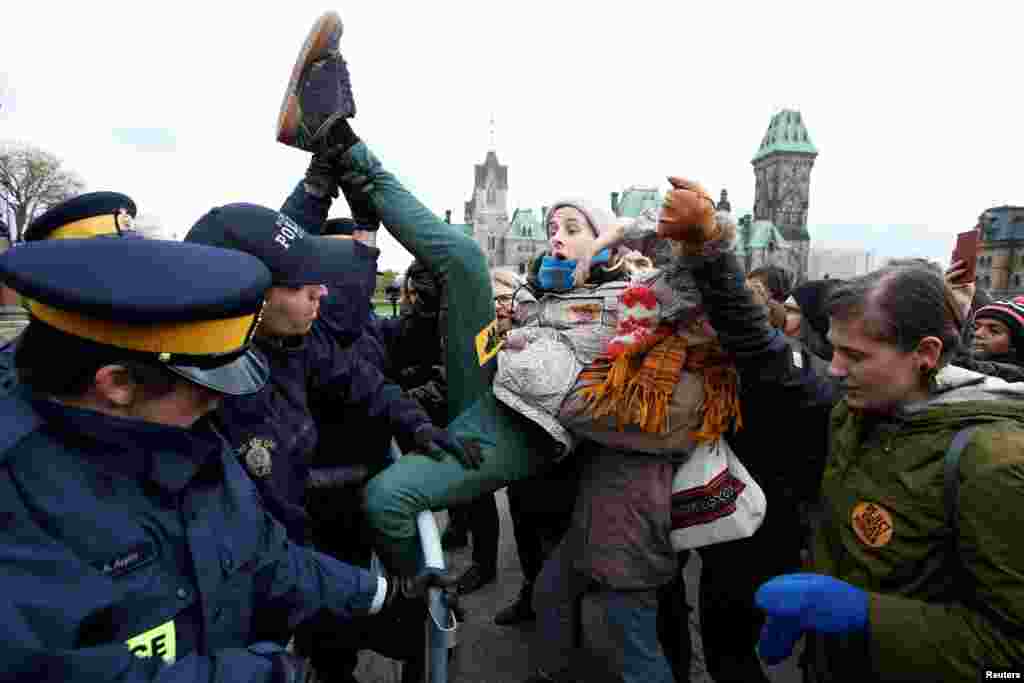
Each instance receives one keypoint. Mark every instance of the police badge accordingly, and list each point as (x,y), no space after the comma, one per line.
(257,456)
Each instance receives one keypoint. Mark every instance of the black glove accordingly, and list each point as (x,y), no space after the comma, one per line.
(741,323)
(434,442)
(337,477)
(289,668)
(356,188)
(415,588)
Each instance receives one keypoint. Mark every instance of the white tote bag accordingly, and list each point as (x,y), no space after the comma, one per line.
(714,498)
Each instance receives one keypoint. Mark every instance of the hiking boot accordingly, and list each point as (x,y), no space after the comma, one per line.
(319,92)
(454,538)
(475,578)
(520,611)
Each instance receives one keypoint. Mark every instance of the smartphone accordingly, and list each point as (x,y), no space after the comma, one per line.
(967,250)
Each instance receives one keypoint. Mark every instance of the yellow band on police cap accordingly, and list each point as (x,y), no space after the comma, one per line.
(92,226)
(196,338)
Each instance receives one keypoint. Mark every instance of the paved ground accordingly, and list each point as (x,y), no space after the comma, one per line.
(492,654)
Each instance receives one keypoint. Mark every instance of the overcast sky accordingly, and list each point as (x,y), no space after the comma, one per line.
(915,107)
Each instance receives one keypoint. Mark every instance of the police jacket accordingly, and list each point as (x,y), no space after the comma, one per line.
(274,431)
(133,551)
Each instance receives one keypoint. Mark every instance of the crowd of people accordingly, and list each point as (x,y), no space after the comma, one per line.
(183,498)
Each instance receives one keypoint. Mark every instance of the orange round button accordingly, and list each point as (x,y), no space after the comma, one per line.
(872,523)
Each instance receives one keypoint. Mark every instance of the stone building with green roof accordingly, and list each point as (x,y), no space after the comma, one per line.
(782,172)
(507,243)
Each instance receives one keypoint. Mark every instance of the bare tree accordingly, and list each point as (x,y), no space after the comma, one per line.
(31,181)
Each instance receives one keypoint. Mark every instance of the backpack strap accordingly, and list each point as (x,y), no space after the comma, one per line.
(951,476)
(952,498)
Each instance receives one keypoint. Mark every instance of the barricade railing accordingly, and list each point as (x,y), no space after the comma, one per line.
(440,625)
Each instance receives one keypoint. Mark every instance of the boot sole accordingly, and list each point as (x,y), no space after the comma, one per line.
(325,33)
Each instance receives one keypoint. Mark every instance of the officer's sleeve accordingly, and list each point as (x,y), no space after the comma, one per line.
(300,582)
(342,373)
(913,640)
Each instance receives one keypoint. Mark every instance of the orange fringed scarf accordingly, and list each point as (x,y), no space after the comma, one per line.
(636,387)
(721,391)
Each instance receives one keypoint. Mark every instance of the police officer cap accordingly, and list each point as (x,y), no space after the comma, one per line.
(293,256)
(188,307)
(87,215)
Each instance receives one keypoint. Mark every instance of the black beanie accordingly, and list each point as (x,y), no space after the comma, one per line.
(812,297)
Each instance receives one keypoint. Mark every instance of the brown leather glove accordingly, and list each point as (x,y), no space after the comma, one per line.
(687,213)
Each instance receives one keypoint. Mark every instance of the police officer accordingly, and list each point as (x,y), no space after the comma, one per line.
(93,214)
(273,431)
(132,543)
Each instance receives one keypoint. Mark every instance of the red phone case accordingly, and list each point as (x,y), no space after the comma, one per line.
(967,250)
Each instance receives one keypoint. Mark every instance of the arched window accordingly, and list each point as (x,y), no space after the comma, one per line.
(1016,280)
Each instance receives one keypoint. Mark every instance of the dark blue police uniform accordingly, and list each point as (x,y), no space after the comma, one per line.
(133,550)
(275,431)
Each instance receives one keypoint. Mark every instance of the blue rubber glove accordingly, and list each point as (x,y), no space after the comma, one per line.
(796,603)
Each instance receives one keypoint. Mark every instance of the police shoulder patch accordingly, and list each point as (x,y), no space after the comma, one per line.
(257,455)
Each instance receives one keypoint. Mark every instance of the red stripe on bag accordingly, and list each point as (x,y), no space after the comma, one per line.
(707,503)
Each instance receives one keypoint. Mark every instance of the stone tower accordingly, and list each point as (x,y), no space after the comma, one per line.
(782,169)
(487,211)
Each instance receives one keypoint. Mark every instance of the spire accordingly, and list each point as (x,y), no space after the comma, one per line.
(786,133)
(491,147)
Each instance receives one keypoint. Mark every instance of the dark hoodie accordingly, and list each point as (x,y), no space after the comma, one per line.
(812,297)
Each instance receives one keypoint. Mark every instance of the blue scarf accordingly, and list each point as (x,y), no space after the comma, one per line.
(556,274)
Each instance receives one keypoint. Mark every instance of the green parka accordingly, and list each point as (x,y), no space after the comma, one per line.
(935,614)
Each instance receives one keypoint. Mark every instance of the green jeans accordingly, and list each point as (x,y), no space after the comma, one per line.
(513,446)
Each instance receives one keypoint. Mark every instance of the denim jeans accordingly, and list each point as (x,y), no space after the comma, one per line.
(416,483)
(632,618)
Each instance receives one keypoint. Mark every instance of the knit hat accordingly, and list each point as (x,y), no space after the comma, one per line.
(1011,314)
(600,219)
(812,297)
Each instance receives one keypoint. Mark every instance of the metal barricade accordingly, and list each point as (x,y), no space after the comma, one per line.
(441,625)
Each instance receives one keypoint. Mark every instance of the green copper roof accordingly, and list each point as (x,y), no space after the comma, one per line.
(786,133)
(634,200)
(760,235)
(526,225)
